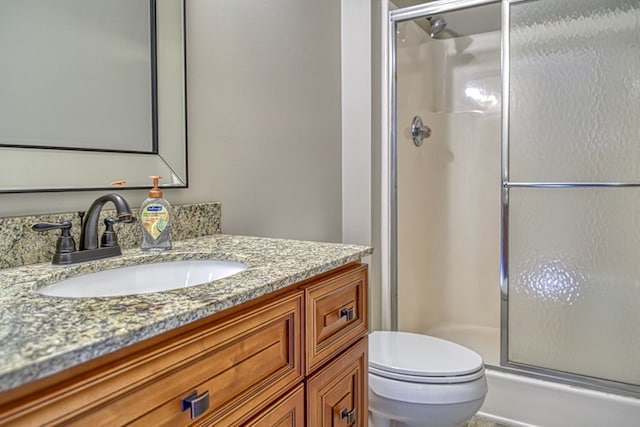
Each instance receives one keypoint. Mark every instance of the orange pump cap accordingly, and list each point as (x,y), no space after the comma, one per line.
(155,192)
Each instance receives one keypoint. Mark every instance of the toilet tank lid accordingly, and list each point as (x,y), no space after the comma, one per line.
(420,355)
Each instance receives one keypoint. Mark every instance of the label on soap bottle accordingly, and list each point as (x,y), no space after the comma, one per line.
(154,218)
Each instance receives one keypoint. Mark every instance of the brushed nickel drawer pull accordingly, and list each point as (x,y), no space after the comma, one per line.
(197,404)
(349,415)
(348,313)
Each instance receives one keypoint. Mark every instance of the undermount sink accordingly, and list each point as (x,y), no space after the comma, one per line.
(144,278)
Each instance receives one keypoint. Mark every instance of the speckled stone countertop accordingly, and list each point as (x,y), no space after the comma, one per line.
(42,335)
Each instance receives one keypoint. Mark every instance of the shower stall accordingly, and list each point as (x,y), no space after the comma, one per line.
(513,193)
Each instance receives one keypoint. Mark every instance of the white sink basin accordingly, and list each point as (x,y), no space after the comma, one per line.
(144,278)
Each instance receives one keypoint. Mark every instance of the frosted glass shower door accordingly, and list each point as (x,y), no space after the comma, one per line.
(572,190)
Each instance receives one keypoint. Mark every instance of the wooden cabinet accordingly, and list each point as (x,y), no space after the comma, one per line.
(336,349)
(246,366)
(241,362)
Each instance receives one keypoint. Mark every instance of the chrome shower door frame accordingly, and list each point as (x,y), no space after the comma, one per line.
(390,194)
(506,364)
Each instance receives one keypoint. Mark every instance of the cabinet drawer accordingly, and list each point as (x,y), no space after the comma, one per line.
(287,412)
(337,395)
(242,362)
(249,362)
(336,315)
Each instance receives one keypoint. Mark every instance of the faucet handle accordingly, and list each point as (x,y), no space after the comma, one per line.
(65,243)
(109,237)
(46,226)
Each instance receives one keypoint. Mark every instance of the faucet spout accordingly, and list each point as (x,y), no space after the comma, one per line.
(89,235)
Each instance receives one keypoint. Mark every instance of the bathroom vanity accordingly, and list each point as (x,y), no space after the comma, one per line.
(282,343)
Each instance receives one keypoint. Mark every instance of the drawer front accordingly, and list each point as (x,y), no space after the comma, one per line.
(287,412)
(242,364)
(336,315)
(337,395)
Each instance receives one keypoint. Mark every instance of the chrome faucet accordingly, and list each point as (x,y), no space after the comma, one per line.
(90,247)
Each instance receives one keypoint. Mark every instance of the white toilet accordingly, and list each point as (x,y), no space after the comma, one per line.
(421,381)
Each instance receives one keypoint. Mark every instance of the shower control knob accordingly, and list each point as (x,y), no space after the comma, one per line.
(419,131)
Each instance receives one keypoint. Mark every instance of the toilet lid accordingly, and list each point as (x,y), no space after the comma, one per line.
(408,356)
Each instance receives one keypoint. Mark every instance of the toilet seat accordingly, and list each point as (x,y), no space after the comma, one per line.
(417,358)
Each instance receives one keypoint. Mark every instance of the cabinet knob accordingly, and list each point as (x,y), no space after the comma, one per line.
(197,404)
(350,416)
(347,313)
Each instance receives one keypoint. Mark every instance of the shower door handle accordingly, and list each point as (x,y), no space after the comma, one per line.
(419,131)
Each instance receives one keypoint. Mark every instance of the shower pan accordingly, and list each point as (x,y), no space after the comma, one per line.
(514,226)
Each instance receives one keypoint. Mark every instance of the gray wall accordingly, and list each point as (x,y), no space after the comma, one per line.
(265,99)
(264,125)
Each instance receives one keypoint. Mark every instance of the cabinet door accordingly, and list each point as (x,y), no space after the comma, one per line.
(337,395)
(336,315)
(287,412)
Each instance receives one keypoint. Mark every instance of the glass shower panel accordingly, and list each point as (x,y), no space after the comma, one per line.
(573,272)
(574,90)
(574,280)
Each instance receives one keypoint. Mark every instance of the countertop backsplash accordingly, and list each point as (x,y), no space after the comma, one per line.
(20,245)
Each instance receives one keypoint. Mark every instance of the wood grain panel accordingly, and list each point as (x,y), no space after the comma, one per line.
(287,412)
(341,385)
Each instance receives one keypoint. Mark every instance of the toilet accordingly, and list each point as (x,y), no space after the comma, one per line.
(421,381)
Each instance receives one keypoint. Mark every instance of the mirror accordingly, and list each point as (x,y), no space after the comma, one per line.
(91,92)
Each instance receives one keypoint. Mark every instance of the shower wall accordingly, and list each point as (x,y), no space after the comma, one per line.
(449,188)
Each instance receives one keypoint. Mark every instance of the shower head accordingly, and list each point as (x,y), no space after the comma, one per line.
(437,25)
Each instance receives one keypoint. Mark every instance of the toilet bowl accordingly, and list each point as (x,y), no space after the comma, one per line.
(421,381)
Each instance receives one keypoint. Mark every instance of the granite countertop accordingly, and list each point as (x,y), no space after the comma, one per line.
(43,335)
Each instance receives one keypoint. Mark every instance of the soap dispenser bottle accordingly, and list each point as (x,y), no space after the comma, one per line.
(155,219)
